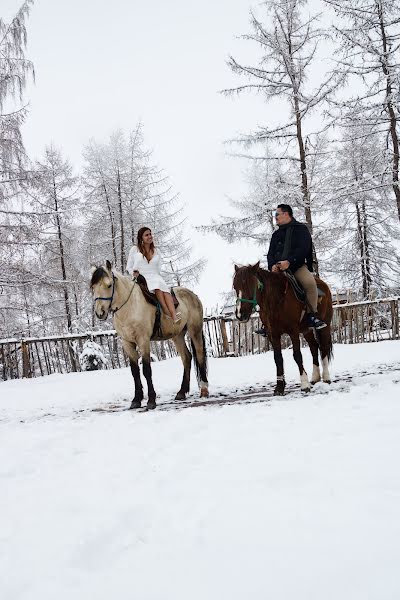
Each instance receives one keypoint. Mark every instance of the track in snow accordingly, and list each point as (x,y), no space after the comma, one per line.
(249,395)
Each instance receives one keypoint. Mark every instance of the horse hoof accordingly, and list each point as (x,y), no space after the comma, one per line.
(279,392)
(180,396)
(306,390)
(151,405)
(135,404)
(327,381)
(204,393)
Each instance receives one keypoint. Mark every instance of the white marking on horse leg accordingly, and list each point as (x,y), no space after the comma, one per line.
(316,374)
(325,370)
(304,382)
(238,304)
(203,389)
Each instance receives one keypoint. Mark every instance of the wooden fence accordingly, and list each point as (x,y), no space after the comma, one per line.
(225,336)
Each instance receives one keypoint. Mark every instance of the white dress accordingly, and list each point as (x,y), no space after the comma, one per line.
(150,270)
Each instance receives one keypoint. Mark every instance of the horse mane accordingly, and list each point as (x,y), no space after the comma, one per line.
(98,275)
(274,286)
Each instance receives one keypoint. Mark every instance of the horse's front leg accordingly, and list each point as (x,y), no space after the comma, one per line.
(130,350)
(145,352)
(280,377)
(304,382)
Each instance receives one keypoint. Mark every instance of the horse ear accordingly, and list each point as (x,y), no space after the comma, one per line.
(236,268)
(256,267)
(108,265)
(93,268)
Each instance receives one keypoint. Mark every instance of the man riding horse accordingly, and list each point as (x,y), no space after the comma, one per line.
(290,249)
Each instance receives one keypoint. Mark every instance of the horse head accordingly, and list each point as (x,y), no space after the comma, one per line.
(246,284)
(102,285)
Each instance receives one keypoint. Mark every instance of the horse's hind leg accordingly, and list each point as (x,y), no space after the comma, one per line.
(200,358)
(186,357)
(304,382)
(316,375)
(144,348)
(278,358)
(325,344)
(131,351)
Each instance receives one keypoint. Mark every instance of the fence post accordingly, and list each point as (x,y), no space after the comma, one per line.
(26,365)
(225,344)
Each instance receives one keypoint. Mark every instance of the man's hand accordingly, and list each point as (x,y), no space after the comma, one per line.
(275,269)
(283,265)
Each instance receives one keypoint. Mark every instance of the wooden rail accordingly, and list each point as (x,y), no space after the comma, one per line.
(225,336)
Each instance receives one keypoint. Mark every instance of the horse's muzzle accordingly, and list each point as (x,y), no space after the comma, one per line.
(102,316)
(242,318)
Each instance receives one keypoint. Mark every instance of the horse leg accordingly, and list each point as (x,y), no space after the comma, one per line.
(304,383)
(326,352)
(131,351)
(186,357)
(145,352)
(200,358)
(280,377)
(316,375)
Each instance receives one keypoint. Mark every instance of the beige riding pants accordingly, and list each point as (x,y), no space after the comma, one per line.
(307,280)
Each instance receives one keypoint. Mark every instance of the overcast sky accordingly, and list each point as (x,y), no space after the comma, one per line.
(104,65)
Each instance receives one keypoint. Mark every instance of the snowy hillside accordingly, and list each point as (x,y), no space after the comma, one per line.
(287,498)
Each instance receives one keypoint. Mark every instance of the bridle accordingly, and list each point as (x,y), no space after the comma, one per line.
(111,298)
(258,286)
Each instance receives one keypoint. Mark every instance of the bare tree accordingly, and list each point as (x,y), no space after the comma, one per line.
(288,46)
(364,255)
(369,31)
(125,190)
(54,196)
(14,71)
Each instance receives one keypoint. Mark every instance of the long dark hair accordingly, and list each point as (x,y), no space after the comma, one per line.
(139,243)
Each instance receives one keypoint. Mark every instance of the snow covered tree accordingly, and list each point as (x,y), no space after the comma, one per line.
(125,191)
(54,197)
(15,231)
(288,43)
(14,71)
(365,256)
(369,32)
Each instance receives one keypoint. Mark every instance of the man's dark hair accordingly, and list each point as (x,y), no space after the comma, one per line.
(286,208)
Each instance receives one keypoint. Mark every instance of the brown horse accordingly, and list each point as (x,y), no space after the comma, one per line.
(134,320)
(281,312)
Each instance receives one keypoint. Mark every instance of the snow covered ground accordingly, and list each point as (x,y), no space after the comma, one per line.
(295,498)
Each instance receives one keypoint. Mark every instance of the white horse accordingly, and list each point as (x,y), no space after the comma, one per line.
(134,320)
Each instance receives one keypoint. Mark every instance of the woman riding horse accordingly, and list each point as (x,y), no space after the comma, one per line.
(146,260)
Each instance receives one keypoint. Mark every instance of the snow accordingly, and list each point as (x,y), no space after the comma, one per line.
(92,357)
(297,497)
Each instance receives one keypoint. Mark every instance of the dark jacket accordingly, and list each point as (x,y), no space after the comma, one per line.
(300,251)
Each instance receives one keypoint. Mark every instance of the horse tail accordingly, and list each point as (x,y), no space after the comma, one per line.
(324,340)
(201,367)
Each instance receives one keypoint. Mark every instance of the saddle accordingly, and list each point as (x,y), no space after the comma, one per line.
(298,288)
(152,299)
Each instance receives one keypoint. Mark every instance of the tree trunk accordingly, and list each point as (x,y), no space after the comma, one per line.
(121,222)
(304,180)
(390,109)
(112,225)
(62,260)
(363,245)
